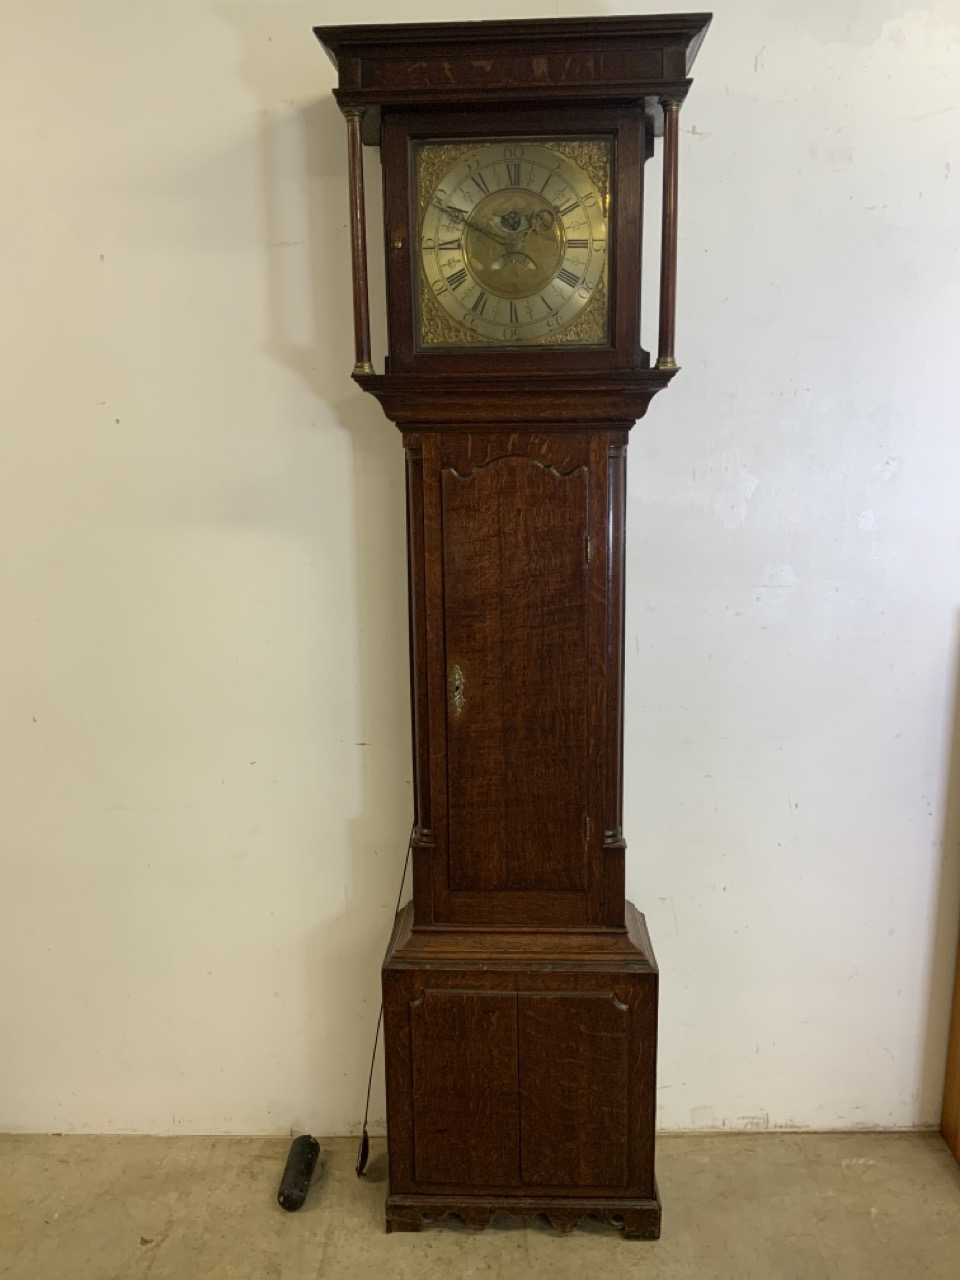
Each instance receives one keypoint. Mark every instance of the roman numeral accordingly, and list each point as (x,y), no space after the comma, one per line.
(479,302)
(455,244)
(457,279)
(513,313)
(568,277)
(479,180)
(571,244)
(568,208)
(546,304)
(513,173)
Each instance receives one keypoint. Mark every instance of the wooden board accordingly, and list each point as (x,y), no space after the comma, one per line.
(573,1089)
(515,587)
(465,1107)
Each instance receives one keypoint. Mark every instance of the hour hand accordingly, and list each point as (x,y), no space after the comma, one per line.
(485,231)
(452,211)
(456,214)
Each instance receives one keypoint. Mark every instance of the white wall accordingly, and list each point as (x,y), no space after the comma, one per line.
(203,722)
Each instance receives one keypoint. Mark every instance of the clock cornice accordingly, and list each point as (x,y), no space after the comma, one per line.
(612,59)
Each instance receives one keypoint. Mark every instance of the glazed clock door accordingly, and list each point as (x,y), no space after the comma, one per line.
(520,643)
(513,242)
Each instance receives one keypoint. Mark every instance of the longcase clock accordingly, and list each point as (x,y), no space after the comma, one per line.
(519,988)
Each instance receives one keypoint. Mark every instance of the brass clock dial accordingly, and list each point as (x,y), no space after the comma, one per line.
(513,243)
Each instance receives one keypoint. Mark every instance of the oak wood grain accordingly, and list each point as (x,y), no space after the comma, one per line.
(573,1088)
(513,576)
(603,1013)
(515,586)
(465,1104)
(595,60)
(559,399)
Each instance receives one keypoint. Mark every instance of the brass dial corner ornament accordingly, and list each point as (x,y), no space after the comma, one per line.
(513,242)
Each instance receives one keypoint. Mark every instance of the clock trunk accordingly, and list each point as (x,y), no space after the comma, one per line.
(517,618)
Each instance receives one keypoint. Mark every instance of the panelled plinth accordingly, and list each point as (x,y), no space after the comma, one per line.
(521,1075)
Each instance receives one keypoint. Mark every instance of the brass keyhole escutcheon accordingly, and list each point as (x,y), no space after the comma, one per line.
(457,685)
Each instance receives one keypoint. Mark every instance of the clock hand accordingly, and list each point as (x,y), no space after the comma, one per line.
(452,211)
(542,223)
(492,235)
(460,215)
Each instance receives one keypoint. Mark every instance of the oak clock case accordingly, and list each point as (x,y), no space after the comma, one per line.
(520,989)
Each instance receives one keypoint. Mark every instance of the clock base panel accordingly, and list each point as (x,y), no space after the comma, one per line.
(521,1075)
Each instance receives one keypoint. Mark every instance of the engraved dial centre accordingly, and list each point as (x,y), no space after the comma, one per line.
(513,243)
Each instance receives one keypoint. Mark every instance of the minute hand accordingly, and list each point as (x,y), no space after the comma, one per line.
(461,216)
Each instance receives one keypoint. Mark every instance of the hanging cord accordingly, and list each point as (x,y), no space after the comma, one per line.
(364,1149)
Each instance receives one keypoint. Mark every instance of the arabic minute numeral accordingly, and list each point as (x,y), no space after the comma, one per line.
(568,277)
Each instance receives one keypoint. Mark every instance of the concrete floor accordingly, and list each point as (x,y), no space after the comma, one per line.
(771,1206)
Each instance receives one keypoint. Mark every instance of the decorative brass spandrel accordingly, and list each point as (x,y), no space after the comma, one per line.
(434,159)
(590,327)
(591,156)
(437,328)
